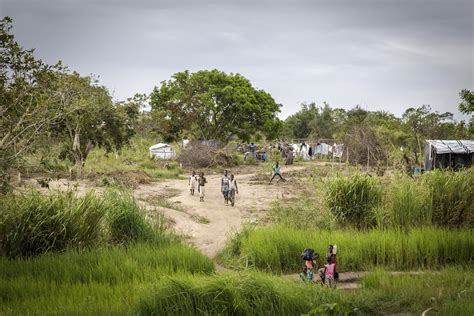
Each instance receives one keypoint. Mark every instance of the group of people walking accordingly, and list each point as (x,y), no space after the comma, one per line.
(199,183)
(327,273)
(228,186)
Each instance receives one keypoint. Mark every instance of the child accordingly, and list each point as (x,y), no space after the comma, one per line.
(225,187)
(330,256)
(329,270)
(192,182)
(202,182)
(232,190)
(304,274)
(309,256)
(276,172)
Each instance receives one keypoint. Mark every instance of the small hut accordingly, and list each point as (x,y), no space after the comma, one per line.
(455,154)
(162,151)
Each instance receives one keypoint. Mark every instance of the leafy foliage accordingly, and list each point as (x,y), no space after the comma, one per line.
(212,105)
(467,104)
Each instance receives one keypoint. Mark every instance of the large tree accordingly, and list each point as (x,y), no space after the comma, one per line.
(425,124)
(212,105)
(28,103)
(91,119)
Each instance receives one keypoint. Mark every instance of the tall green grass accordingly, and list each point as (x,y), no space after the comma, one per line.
(232,294)
(452,197)
(32,223)
(353,199)
(449,292)
(439,198)
(277,249)
(97,282)
(407,205)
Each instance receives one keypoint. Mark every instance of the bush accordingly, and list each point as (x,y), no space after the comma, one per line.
(353,199)
(32,223)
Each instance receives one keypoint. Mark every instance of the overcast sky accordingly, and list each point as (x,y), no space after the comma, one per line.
(382,55)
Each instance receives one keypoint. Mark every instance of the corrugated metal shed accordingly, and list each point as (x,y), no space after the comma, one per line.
(452,146)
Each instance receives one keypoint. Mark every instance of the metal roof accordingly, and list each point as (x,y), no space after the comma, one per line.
(452,146)
(158,146)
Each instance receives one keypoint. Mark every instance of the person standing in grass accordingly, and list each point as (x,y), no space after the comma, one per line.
(202,182)
(329,273)
(192,182)
(276,172)
(225,187)
(330,257)
(233,189)
(309,256)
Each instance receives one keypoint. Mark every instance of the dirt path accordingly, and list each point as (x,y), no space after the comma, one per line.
(208,224)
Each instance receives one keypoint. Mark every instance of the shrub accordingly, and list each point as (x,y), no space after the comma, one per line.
(353,199)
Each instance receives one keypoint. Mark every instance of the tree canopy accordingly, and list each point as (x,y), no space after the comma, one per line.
(213,105)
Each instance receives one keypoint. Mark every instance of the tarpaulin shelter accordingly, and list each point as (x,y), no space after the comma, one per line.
(455,154)
(162,151)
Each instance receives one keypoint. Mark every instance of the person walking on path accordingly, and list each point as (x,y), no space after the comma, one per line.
(276,172)
(233,189)
(202,182)
(192,182)
(225,187)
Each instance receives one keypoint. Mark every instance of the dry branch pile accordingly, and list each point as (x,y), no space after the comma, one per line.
(364,147)
(199,155)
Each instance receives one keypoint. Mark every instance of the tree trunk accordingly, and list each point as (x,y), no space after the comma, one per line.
(415,151)
(76,151)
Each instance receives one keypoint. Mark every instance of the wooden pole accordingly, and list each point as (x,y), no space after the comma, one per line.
(368,158)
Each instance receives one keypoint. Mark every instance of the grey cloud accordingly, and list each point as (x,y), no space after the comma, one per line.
(380,54)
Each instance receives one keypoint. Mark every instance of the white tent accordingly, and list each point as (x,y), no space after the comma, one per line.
(162,151)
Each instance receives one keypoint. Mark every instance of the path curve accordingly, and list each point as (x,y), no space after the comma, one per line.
(190,215)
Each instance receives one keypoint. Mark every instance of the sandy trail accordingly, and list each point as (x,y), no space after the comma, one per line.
(208,224)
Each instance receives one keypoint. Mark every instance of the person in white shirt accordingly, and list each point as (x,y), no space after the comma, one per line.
(192,182)
(233,189)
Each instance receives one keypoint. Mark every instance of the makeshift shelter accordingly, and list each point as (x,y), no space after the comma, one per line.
(162,151)
(455,154)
